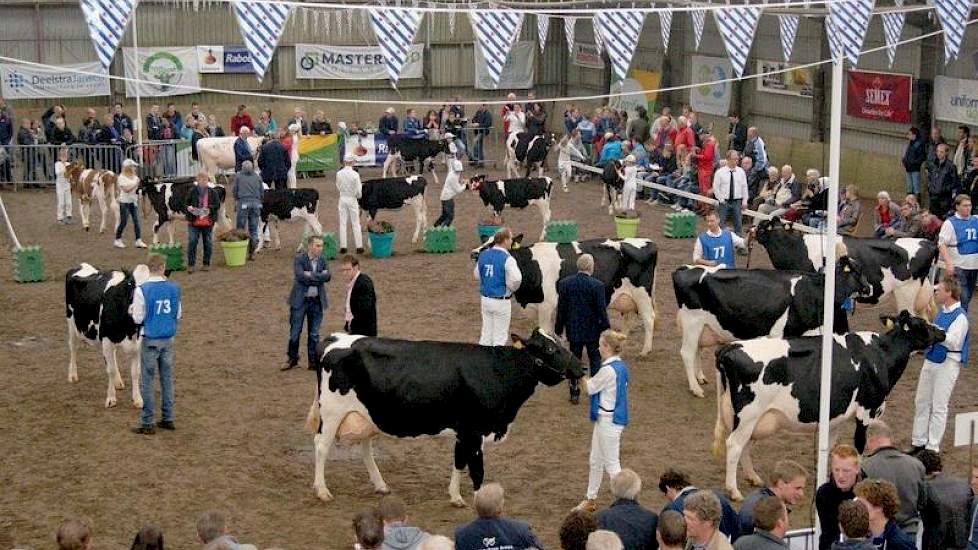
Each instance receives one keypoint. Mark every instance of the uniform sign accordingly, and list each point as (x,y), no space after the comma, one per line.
(365,150)
(26,82)
(223,59)
(517,73)
(167,71)
(879,96)
(713,99)
(587,56)
(956,99)
(352,62)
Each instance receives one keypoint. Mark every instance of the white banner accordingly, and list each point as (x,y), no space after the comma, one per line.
(517,72)
(25,82)
(588,56)
(713,99)
(163,68)
(956,100)
(361,149)
(352,62)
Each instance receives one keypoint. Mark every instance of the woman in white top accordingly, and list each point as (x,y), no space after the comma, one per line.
(566,152)
(517,120)
(62,187)
(453,187)
(630,187)
(128,184)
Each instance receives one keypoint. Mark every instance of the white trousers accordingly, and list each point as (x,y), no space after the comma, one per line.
(605,443)
(628,193)
(566,171)
(495,321)
(350,212)
(63,191)
(931,403)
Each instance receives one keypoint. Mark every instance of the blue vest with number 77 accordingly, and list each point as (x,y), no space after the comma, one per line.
(718,249)
(966,234)
(162,307)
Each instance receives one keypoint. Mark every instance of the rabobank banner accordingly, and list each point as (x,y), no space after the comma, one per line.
(956,100)
(26,82)
(352,62)
(224,59)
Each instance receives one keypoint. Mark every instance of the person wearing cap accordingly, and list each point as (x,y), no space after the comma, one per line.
(630,186)
(610,150)
(452,188)
(387,125)
(242,151)
(128,184)
(350,189)
(452,145)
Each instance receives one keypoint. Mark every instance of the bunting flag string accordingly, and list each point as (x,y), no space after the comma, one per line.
(892,29)
(107,20)
(953,15)
(789,30)
(543,25)
(620,31)
(569,23)
(597,34)
(737,27)
(699,23)
(495,32)
(261,27)
(395,30)
(665,26)
(846,27)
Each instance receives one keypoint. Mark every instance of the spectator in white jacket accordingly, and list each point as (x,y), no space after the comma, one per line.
(566,152)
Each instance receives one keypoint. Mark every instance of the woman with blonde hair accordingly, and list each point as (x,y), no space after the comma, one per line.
(128,184)
(608,389)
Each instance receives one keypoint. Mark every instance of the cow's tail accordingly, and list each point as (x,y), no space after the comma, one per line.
(144,204)
(924,303)
(313,419)
(723,394)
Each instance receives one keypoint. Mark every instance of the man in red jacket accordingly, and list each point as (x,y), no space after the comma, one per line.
(242,118)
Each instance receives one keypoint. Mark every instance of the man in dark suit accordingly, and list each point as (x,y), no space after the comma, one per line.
(582,312)
(274,163)
(307,301)
(361,301)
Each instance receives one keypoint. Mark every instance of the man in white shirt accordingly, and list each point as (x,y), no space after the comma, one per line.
(730,189)
(350,188)
(715,246)
(942,364)
(958,245)
(499,277)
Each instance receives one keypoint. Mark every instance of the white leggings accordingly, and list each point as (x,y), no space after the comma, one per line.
(628,197)
(350,213)
(63,191)
(605,443)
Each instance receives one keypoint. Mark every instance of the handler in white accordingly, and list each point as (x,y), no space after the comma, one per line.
(609,412)
(630,186)
(62,186)
(566,152)
(499,277)
(941,366)
(350,188)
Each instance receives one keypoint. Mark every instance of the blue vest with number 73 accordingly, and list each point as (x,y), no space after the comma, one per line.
(162,306)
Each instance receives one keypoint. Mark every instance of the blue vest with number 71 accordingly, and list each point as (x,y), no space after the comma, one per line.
(162,306)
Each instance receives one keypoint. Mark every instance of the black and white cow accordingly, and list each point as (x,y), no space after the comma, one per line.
(422,151)
(97,310)
(168,199)
(899,266)
(611,177)
(722,305)
(527,150)
(369,386)
(769,384)
(392,194)
(626,267)
(289,204)
(517,193)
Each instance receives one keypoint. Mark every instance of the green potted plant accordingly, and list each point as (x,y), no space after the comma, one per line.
(489,225)
(626,223)
(234,243)
(381,235)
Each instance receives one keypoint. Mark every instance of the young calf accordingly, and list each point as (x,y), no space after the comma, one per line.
(89,184)
(288,205)
(168,199)
(517,193)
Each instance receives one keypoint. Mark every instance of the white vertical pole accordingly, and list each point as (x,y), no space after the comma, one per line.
(139,103)
(828,312)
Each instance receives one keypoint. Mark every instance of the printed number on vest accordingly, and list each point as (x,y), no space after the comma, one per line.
(970,234)
(487,270)
(718,251)
(162,306)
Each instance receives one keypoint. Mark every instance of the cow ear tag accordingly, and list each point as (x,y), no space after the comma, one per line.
(888,323)
(518,344)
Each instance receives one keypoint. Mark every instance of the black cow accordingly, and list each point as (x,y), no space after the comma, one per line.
(899,266)
(422,151)
(626,267)
(168,199)
(527,150)
(289,204)
(767,384)
(97,309)
(736,304)
(408,389)
(392,194)
(611,177)
(518,193)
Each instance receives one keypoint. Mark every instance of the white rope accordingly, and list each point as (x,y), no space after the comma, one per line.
(439,102)
(10,228)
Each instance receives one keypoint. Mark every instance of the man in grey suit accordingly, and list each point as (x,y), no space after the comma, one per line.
(944,510)
(307,301)
(582,312)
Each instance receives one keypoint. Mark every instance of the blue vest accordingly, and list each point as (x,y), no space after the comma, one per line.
(620,414)
(718,249)
(492,273)
(937,353)
(966,233)
(162,306)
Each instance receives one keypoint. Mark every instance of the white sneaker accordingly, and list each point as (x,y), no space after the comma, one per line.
(139,243)
(119,244)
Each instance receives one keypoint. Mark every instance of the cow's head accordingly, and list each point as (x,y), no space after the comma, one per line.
(769,230)
(73,170)
(919,332)
(850,281)
(552,362)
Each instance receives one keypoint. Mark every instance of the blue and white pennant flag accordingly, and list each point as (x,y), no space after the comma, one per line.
(665,26)
(569,23)
(953,15)
(789,30)
(699,23)
(620,31)
(597,34)
(543,25)
(495,32)
(395,29)
(107,20)
(261,26)
(846,27)
(737,27)
(892,29)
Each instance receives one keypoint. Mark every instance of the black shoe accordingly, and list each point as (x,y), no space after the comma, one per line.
(915,450)
(143,430)
(342,251)
(293,363)
(360,250)
(165,425)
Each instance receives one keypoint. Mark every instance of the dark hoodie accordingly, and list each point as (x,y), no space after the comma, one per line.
(854,544)
(398,536)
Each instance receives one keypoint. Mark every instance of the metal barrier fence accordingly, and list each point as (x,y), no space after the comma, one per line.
(170,158)
(33,165)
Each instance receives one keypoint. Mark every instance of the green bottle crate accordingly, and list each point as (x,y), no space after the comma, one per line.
(439,240)
(680,225)
(173,254)
(28,264)
(561,231)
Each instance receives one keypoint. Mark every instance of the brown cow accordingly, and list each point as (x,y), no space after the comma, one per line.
(90,184)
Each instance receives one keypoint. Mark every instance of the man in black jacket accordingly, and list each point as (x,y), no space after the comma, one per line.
(844,463)
(913,159)
(944,510)
(942,182)
(361,300)
(634,524)
(202,207)
(582,312)
(121,121)
(737,134)
(274,163)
